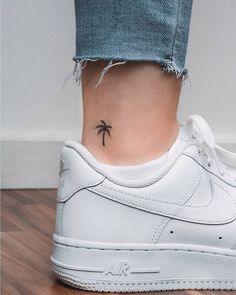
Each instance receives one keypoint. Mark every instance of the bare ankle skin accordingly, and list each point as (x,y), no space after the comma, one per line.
(130,118)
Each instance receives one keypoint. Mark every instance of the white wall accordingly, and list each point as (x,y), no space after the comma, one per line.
(211,59)
(37,115)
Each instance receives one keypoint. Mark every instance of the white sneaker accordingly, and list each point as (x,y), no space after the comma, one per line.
(172,230)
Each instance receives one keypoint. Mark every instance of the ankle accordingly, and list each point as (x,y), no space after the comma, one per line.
(133,150)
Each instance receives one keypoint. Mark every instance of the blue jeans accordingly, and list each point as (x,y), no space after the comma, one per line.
(133,30)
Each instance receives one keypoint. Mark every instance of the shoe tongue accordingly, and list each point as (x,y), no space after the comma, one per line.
(199,128)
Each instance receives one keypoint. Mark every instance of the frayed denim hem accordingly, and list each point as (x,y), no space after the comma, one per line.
(167,64)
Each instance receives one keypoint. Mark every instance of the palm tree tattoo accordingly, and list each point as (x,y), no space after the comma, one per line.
(103,128)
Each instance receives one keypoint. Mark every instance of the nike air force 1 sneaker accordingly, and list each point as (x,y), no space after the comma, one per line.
(174,229)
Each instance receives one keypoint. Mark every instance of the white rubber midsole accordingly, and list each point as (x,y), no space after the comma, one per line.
(122,263)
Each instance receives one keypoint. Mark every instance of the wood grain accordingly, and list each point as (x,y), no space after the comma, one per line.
(26,230)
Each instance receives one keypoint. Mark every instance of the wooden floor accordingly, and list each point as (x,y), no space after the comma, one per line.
(27,227)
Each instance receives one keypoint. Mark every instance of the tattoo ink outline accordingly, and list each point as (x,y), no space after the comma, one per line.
(104,128)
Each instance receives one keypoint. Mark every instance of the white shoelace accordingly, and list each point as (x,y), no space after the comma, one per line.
(203,136)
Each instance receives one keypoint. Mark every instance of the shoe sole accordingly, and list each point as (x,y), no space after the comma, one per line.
(139,268)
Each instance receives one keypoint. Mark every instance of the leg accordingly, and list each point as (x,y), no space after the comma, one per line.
(167,224)
(139,101)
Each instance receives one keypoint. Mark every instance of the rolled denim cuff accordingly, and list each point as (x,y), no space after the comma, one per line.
(134,30)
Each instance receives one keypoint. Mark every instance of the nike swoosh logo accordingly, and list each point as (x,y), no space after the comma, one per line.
(220,209)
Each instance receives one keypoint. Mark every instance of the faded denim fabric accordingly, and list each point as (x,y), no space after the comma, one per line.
(133,30)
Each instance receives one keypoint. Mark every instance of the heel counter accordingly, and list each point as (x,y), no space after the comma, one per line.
(75,174)
(58,218)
